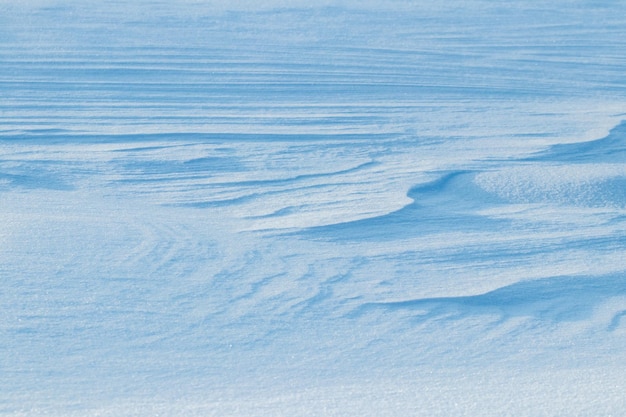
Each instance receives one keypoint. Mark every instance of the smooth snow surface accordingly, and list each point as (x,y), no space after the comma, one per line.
(290,208)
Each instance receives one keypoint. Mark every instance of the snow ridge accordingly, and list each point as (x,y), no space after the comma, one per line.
(312,209)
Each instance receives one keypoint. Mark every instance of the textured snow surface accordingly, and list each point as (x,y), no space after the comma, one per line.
(291,208)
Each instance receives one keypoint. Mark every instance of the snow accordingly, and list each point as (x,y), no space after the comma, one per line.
(312,208)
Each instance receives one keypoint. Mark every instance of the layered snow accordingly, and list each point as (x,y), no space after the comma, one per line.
(300,208)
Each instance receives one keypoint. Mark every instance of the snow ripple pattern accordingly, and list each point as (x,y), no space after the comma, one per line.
(312,209)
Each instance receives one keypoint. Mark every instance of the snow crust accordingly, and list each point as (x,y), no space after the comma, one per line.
(312,208)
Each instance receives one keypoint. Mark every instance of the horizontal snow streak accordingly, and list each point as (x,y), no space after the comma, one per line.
(168,67)
(206,207)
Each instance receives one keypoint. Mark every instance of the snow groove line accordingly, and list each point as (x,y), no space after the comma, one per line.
(550,299)
(616,321)
(168,249)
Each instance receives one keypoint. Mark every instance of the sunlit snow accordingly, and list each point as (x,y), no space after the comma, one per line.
(290,208)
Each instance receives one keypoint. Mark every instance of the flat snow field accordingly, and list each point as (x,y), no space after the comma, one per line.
(301,208)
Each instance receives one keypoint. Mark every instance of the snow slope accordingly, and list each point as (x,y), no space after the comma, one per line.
(285,208)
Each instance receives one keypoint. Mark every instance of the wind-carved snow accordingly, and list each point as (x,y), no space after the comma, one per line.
(308,209)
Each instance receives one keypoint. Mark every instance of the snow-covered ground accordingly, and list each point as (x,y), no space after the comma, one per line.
(296,208)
